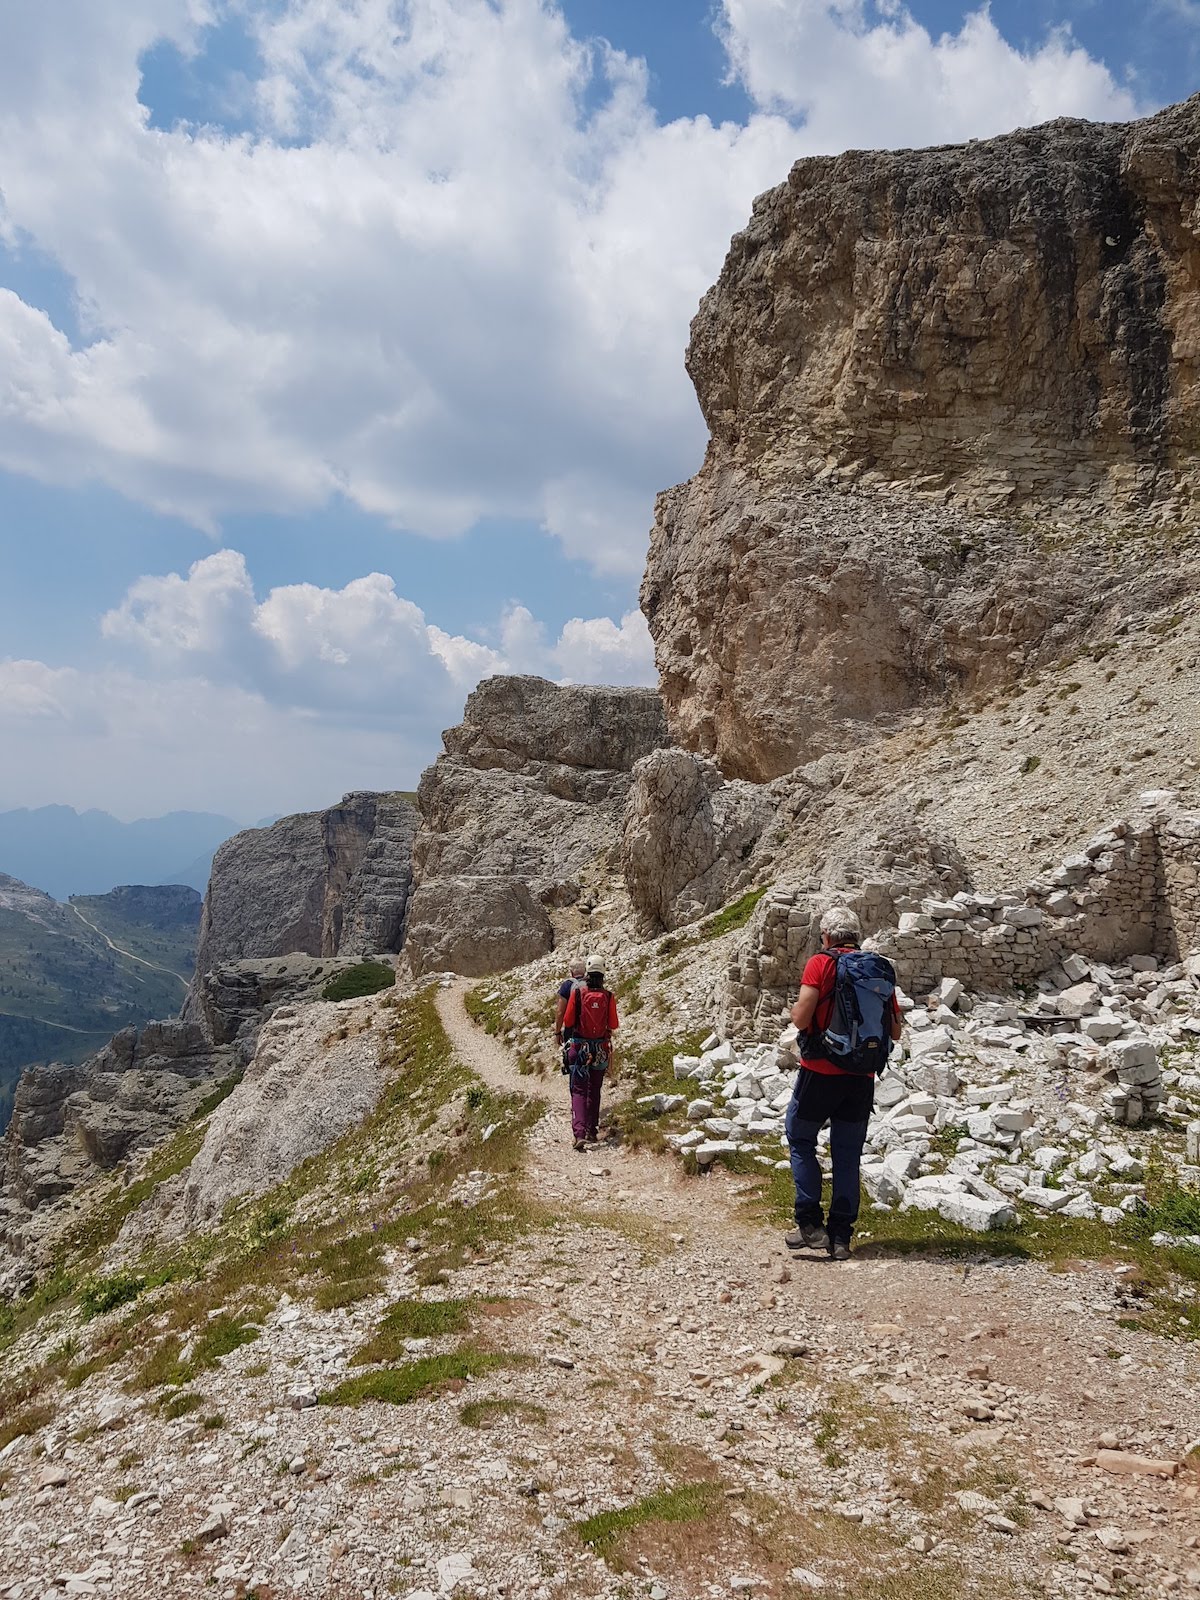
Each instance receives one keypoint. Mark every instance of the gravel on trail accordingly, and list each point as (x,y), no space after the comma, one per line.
(907,1417)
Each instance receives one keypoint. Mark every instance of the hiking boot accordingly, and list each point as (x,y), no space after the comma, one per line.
(808,1236)
(839,1249)
(581,1144)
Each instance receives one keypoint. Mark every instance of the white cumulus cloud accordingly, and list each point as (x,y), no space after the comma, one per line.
(448,271)
(866,73)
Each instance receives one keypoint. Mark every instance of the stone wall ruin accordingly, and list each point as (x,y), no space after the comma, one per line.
(1134,889)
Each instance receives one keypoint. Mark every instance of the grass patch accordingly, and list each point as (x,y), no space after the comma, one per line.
(650,1070)
(410,1319)
(106,1294)
(181,1404)
(221,1338)
(487,1005)
(23,1421)
(689,1502)
(735,915)
(222,1092)
(1173,1208)
(486,1413)
(351,1269)
(354,983)
(168,1366)
(417,1380)
(945,1140)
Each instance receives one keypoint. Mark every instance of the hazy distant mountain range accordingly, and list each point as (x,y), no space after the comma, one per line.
(72,975)
(64,852)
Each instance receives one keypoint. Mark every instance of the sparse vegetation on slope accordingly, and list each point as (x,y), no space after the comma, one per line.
(369,977)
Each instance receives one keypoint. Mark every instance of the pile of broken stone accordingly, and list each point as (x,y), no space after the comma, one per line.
(993,1107)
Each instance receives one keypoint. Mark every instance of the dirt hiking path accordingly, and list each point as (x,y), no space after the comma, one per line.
(995,1381)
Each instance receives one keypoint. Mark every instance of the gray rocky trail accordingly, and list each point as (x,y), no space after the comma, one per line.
(983,1361)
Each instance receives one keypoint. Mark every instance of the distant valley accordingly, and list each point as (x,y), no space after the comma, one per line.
(71,975)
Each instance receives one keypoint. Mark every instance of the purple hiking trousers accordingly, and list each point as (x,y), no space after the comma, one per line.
(586,1084)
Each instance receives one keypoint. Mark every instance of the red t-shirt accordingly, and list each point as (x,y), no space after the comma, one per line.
(819,974)
(572,1012)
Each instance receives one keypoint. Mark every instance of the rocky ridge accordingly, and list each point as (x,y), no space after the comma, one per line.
(952,401)
(321,883)
(521,817)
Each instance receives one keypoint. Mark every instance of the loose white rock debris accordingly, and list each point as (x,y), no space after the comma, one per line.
(993,1108)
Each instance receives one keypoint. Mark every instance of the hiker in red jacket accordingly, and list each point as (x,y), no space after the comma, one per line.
(842,1095)
(588,1025)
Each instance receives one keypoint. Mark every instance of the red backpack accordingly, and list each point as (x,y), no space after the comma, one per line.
(591,1013)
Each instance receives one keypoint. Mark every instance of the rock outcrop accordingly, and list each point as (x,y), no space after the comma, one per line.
(521,816)
(689,837)
(73,1123)
(322,883)
(315,1074)
(901,345)
(288,907)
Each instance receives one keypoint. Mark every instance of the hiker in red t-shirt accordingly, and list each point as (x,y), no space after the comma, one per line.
(827,1093)
(588,1024)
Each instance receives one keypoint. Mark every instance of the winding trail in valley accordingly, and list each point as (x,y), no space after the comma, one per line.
(128,954)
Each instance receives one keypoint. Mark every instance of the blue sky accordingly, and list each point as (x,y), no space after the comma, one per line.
(303,299)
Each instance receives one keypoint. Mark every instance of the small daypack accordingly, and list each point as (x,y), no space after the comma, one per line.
(858,1035)
(591,1013)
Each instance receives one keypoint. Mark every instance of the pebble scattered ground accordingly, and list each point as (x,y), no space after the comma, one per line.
(893,1427)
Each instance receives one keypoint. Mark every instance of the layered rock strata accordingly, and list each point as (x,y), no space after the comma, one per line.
(936,382)
(521,817)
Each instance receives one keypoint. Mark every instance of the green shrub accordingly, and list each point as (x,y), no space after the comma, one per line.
(368,977)
(398,1386)
(106,1294)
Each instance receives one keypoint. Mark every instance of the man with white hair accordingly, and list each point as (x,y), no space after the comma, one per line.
(841,1091)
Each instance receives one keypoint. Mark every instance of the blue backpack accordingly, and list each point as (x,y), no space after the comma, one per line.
(858,1035)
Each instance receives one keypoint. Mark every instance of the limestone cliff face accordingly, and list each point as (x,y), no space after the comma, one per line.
(689,837)
(322,883)
(519,814)
(901,345)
